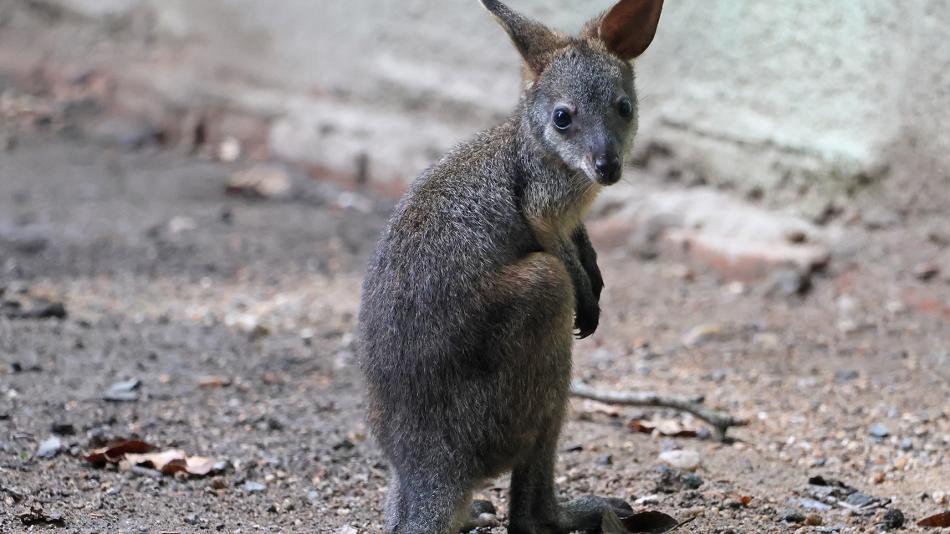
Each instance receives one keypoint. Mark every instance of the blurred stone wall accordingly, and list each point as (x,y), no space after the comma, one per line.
(800,97)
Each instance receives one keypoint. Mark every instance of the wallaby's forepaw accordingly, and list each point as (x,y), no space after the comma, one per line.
(596,281)
(586,320)
(586,513)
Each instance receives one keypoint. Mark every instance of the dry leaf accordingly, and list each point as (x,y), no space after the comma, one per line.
(116,451)
(592,407)
(175,461)
(941,520)
(665,427)
(139,453)
(214,381)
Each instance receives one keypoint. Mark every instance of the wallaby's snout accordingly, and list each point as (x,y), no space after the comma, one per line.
(608,168)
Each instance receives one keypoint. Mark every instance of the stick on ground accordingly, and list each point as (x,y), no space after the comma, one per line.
(721,422)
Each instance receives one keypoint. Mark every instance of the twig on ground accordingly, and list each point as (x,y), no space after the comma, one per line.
(721,422)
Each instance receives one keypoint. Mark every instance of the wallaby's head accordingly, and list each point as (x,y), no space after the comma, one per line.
(579,98)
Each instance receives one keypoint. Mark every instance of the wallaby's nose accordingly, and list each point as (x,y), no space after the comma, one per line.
(608,168)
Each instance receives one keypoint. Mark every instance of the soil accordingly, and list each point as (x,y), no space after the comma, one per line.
(237,317)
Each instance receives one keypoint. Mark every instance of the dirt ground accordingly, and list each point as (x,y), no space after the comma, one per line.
(237,316)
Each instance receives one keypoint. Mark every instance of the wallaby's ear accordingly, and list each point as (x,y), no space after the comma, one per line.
(628,28)
(533,40)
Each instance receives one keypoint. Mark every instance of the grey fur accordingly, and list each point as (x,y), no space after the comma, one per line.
(468,305)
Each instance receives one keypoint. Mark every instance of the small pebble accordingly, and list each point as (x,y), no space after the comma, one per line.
(793,516)
(893,519)
(878,431)
(813,520)
(254,487)
(687,460)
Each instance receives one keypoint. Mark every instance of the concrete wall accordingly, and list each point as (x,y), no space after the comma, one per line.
(789,96)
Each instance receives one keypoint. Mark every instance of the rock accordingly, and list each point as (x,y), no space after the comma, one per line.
(787,283)
(687,460)
(893,519)
(878,431)
(647,500)
(63,429)
(813,520)
(23,240)
(846,376)
(861,500)
(605,459)
(926,271)
(673,480)
(691,481)
(38,516)
(812,504)
(127,132)
(32,309)
(125,391)
(266,181)
(348,529)
(8,142)
(49,448)
(793,516)
(229,149)
(907,444)
(254,487)
(180,224)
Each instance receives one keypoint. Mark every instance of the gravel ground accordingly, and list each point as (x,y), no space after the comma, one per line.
(236,316)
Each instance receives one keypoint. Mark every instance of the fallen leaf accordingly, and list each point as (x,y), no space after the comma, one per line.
(140,454)
(175,461)
(214,381)
(595,407)
(941,520)
(663,427)
(649,522)
(701,334)
(261,181)
(115,452)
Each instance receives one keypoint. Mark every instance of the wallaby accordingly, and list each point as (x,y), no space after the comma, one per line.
(484,272)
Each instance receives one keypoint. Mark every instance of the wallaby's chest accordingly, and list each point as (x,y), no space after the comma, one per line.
(556,221)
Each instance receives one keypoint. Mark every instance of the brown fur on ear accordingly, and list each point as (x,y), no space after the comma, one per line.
(628,28)
(533,40)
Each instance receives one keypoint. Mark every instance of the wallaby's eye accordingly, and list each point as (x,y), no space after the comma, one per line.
(625,108)
(562,118)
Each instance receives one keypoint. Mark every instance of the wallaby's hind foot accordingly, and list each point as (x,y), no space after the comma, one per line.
(586,513)
(482,516)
